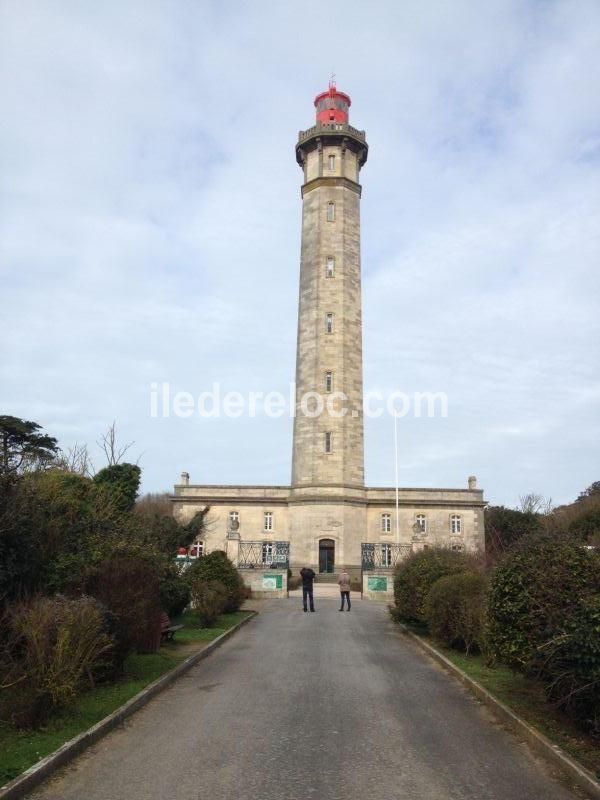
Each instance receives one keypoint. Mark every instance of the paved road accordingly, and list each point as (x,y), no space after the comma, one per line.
(319,706)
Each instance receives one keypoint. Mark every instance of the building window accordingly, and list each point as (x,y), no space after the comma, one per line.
(197,550)
(329,322)
(456,547)
(421,523)
(267,553)
(329,442)
(386,555)
(234,520)
(386,523)
(329,381)
(331,160)
(455,524)
(330,267)
(331,212)
(268,520)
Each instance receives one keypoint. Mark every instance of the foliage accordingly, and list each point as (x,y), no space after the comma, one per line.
(50,647)
(455,610)
(217,567)
(122,481)
(544,619)
(23,446)
(505,526)
(416,575)
(209,600)
(129,588)
(174,590)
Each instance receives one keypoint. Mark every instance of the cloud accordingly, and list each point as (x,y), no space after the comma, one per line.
(150,226)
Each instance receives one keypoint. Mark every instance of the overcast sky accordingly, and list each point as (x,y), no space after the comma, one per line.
(150,227)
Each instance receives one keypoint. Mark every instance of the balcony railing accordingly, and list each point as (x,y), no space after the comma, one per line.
(260,555)
(383,555)
(335,127)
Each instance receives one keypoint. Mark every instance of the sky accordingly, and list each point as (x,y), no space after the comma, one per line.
(150,218)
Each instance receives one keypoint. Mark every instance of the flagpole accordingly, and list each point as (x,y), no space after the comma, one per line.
(396,464)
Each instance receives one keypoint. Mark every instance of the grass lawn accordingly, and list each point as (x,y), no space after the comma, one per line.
(20,749)
(526,698)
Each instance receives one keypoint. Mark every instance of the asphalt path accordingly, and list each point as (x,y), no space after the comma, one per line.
(327,706)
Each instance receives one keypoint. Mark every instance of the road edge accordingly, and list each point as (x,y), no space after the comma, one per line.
(42,770)
(537,741)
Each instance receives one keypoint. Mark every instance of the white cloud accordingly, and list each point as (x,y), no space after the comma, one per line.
(150,221)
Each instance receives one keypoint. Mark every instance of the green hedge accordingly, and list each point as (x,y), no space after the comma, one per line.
(416,575)
(544,620)
(217,567)
(455,610)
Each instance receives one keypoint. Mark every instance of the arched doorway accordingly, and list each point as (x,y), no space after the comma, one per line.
(326,555)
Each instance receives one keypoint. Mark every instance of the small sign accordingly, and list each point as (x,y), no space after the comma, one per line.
(376,583)
(272,582)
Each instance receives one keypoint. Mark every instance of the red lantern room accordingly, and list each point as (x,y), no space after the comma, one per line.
(332,106)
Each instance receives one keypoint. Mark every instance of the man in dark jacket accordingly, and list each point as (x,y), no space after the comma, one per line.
(308,576)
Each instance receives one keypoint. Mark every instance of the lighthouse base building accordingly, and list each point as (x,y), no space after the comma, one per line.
(327,518)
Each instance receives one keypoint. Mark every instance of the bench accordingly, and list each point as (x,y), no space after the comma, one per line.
(167,631)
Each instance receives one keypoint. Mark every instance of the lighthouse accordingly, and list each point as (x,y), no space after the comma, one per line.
(326,517)
(328,447)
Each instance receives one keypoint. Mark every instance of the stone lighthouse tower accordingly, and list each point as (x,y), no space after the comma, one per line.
(328,429)
(327,518)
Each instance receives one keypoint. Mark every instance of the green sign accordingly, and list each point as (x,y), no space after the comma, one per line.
(376,583)
(272,582)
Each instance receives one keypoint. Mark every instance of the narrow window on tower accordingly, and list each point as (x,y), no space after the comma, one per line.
(329,322)
(386,523)
(330,267)
(331,163)
(268,520)
(455,523)
(329,381)
(329,442)
(331,212)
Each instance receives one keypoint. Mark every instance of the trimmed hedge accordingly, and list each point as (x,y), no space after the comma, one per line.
(416,575)
(455,610)
(544,620)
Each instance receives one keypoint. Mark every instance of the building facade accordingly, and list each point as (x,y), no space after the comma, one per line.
(327,515)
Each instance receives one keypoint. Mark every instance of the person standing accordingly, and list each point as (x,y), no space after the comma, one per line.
(344,583)
(308,575)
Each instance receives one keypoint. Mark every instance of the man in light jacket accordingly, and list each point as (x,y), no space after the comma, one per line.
(344,583)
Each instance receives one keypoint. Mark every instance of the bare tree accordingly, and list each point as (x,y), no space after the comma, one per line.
(533,503)
(77,460)
(108,443)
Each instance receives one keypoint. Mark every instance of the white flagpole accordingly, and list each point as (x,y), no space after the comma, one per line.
(396,462)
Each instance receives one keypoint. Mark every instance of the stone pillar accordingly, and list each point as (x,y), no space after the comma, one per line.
(472,483)
(185,478)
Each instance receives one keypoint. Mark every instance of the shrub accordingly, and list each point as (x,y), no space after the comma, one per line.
(129,588)
(209,599)
(174,590)
(416,575)
(51,647)
(544,618)
(217,567)
(455,610)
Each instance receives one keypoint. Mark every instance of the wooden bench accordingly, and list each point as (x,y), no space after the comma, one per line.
(167,631)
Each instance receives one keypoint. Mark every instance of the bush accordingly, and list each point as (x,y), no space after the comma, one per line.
(544,618)
(217,567)
(174,590)
(209,599)
(455,610)
(416,575)
(51,646)
(129,588)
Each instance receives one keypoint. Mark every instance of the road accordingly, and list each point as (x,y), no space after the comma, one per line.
(320,706)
